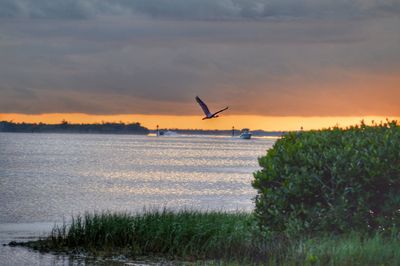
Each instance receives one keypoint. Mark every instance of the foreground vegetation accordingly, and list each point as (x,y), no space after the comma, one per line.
(184,234)
(180,234)
(212,237)
(333,180)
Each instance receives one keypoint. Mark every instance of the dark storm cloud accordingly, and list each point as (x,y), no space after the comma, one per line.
(261,57)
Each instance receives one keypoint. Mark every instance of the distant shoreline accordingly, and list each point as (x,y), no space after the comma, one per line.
(117,129)
(65,127)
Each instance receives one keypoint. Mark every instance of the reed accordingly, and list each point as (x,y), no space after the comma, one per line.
(214,238)
(183,234)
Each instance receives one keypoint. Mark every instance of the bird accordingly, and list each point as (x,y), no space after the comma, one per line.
(206,111)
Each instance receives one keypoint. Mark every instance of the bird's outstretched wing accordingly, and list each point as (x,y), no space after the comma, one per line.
(220,111)
(203,106)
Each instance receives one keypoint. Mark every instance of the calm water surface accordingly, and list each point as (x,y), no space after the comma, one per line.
(47,177)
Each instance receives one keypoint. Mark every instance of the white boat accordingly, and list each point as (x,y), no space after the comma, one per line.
(170,133)
(167,133)
(245,133)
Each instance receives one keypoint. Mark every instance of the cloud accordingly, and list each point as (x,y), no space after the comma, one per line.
(198,9)
(303,57)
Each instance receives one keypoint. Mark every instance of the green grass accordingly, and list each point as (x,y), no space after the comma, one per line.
(184,234)
(352,249)
(215,238)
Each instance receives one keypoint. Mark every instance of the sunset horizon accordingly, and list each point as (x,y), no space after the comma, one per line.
(226,122)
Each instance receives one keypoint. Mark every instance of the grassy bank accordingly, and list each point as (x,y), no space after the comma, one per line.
(351,249)
(232,238)
(186,234)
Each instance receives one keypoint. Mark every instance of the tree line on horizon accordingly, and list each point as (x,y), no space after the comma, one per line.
(66,127)
(114,128)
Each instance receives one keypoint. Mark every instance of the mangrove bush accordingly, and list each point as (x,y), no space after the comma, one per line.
(332,180)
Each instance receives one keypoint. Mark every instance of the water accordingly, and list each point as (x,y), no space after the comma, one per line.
(45,178)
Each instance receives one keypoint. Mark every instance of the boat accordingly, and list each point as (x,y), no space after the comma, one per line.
(167,133)
(170,133)
(245,133)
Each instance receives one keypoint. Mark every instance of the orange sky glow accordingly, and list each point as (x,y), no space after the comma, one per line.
(194,122)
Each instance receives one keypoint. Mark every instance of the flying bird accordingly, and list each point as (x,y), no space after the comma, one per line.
(206,111)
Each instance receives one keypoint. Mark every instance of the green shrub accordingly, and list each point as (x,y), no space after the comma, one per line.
(332,180)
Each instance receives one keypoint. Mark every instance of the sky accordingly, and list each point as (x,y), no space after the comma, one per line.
(330,60)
